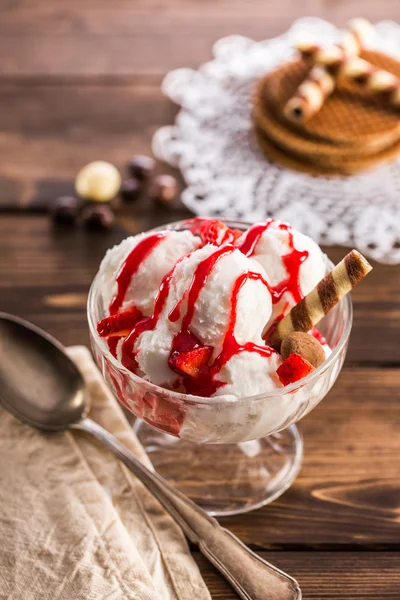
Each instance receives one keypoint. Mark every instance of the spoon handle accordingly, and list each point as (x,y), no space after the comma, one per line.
(251,576)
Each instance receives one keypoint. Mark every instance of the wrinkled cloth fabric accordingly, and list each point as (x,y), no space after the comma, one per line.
(75,523)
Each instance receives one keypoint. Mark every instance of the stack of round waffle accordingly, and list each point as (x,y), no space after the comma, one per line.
(352,132)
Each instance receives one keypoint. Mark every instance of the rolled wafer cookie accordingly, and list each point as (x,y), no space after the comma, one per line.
(310,95)
(358,32)
(328,292)
(320,83)
(353,68)
(377,81)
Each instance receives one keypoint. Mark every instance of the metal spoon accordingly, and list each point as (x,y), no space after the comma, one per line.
(41,386)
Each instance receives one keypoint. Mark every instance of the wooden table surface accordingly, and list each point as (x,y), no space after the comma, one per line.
(80,80)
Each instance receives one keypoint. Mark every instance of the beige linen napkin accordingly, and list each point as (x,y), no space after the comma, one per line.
(76,524)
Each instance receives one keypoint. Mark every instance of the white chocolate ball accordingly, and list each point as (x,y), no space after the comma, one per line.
(98,181)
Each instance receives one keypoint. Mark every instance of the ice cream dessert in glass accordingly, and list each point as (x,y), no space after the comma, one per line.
(204,330)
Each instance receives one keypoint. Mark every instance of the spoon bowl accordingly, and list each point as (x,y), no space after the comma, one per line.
(39,383)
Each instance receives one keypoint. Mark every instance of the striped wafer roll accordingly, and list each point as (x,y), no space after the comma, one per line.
(332,288)
(320,83)
(375,80)
(353,39)
(310,94)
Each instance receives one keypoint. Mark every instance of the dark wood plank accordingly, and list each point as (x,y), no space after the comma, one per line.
(182,19)
(126,37)
(51,129)
(324,575)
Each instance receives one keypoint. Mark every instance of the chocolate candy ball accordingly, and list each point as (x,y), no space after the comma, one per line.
(97,218)
(141,166)
(65,210)
(98,181)
(130,190)
(304,344)
(164,189)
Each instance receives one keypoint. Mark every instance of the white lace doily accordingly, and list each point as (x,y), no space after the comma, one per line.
(227,175)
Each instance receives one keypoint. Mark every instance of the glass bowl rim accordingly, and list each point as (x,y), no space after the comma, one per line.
(182,398)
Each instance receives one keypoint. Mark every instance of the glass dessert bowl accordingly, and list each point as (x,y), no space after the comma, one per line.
(229,454)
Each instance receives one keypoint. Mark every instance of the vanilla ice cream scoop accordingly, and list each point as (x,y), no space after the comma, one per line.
(247,373)
(156,255)
(293,262)
(202,298)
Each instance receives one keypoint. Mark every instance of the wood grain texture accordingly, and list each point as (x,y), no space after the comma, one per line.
(325,575)
(131,37)
(49,130)
(80,80)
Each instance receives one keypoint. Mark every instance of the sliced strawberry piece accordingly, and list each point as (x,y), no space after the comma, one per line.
(185,341)
(119,324)
(191,362)
(217,233)
(292,369)
(213,231)
(236,233)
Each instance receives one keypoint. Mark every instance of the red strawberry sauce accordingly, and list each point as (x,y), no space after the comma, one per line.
(131,265)
(112,344)
(206,384)
(292,261)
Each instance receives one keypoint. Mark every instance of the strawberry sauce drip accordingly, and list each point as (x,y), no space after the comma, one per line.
(252,237)
(128,348)
(231,346)
(112,345)
(292,261)
(176,311)
(206,384)
(185,340)
(201,274)
(149,323)
(131,265)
